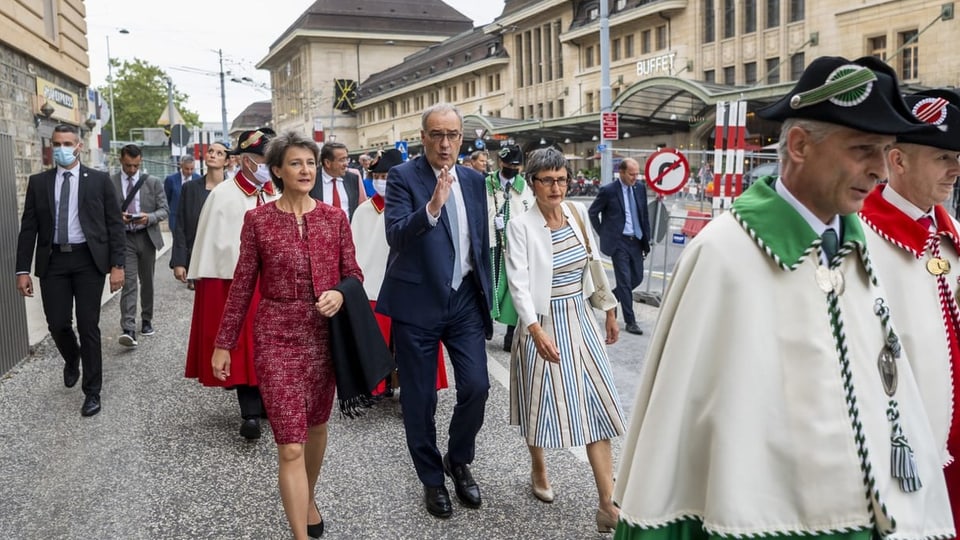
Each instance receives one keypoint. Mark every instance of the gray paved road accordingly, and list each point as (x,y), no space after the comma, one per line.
(164,460)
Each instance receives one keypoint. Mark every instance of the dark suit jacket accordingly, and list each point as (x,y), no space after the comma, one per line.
(351,183)
(100,221)
(171,188)
(416,285)
(153,203)
(608,215)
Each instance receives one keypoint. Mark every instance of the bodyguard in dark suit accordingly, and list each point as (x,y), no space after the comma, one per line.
(173,184)
(437,287)
(71,218)
(337,186)
(619,215)
(142,217)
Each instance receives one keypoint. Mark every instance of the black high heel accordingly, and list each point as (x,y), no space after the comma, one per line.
(315,530)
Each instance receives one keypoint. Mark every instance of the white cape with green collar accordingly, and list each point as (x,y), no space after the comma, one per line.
(748,420)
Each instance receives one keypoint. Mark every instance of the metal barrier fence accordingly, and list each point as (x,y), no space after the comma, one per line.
(14,341)
(674,221)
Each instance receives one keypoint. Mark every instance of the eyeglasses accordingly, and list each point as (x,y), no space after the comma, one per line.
(549,182)
(437,136)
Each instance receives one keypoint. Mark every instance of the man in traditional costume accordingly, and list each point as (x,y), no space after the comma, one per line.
(914,246)
(215,254)
(507,195)
(372,250)
(808,422)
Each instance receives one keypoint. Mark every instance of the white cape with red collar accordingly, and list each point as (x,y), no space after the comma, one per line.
(900,249)
(370,239)
(217,247)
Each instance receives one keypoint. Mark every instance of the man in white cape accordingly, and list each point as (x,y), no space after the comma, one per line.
(776,400)
(214,258)
(914,245)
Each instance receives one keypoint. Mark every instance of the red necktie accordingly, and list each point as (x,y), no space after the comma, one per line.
(336,194)
(926,222)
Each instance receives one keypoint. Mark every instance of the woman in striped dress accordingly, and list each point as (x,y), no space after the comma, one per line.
(562,391)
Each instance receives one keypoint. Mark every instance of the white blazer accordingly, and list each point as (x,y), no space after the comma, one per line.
(530,260)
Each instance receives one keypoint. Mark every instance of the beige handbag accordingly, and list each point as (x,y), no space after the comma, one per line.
(602,297)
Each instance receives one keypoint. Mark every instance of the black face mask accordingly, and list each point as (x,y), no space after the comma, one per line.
(509,173)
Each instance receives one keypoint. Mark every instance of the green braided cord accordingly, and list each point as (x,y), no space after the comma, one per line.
(853,410)
(843,84)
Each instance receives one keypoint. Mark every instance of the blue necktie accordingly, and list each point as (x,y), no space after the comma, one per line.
(634,213)
(453,218)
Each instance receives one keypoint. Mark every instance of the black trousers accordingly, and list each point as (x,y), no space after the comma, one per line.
(73,278)
(249,399)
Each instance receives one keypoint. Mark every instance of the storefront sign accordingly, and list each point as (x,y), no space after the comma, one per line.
(656,64)
(66,104)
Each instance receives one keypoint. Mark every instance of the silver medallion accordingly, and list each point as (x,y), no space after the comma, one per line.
(836,278)
(887,365)
(824,280)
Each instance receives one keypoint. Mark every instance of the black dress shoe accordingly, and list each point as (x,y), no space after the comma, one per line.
(634,328)
(437,500)
(91,406)
(147,329)
(315,530)
(463,483)
(70,376)
(250,428)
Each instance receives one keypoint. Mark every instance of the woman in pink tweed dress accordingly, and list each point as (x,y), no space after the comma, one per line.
(299,249)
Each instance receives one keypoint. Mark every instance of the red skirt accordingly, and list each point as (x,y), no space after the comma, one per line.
(384,322)
(208,303)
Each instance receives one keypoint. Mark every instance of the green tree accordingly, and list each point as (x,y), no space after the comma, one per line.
(140,97)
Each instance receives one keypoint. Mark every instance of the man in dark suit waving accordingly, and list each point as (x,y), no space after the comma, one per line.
(619,215)
(337,186)
(71,217)
(437,287)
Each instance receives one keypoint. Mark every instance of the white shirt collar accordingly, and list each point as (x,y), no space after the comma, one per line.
(325,176)
(812,220)
(73,170)
(905,206)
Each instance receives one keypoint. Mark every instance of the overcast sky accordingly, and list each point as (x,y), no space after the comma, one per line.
(182,37)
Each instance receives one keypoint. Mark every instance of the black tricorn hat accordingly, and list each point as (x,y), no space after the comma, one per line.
(386,160)
(862,94)
(254,141)
(940,108)
(511,155)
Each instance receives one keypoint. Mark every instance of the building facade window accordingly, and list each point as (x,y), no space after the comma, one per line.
(709,22)
(773,13)
(536,61)
(749,16)
(773,70)
(750,73)
(628,51)
(493,83)
(615,50)
(730,75)
(909,55)
(797,9)
(729,19)
(661,37)
(797,63)
(548,51)
(556,46)
(710,76)
(560,108)
(588,103)
(518,50)
(645,42)
(588,57)
(877,47)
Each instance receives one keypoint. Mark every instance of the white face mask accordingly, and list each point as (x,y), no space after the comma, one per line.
(380,186)
(262,173)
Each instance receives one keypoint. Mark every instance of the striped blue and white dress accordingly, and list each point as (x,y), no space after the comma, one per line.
(573,402)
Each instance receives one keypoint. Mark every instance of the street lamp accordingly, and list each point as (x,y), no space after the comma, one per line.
(113,112)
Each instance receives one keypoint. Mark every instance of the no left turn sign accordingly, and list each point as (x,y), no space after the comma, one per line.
(667,171)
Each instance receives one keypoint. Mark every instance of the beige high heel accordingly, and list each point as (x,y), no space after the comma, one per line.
(605,522)
(544,494)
